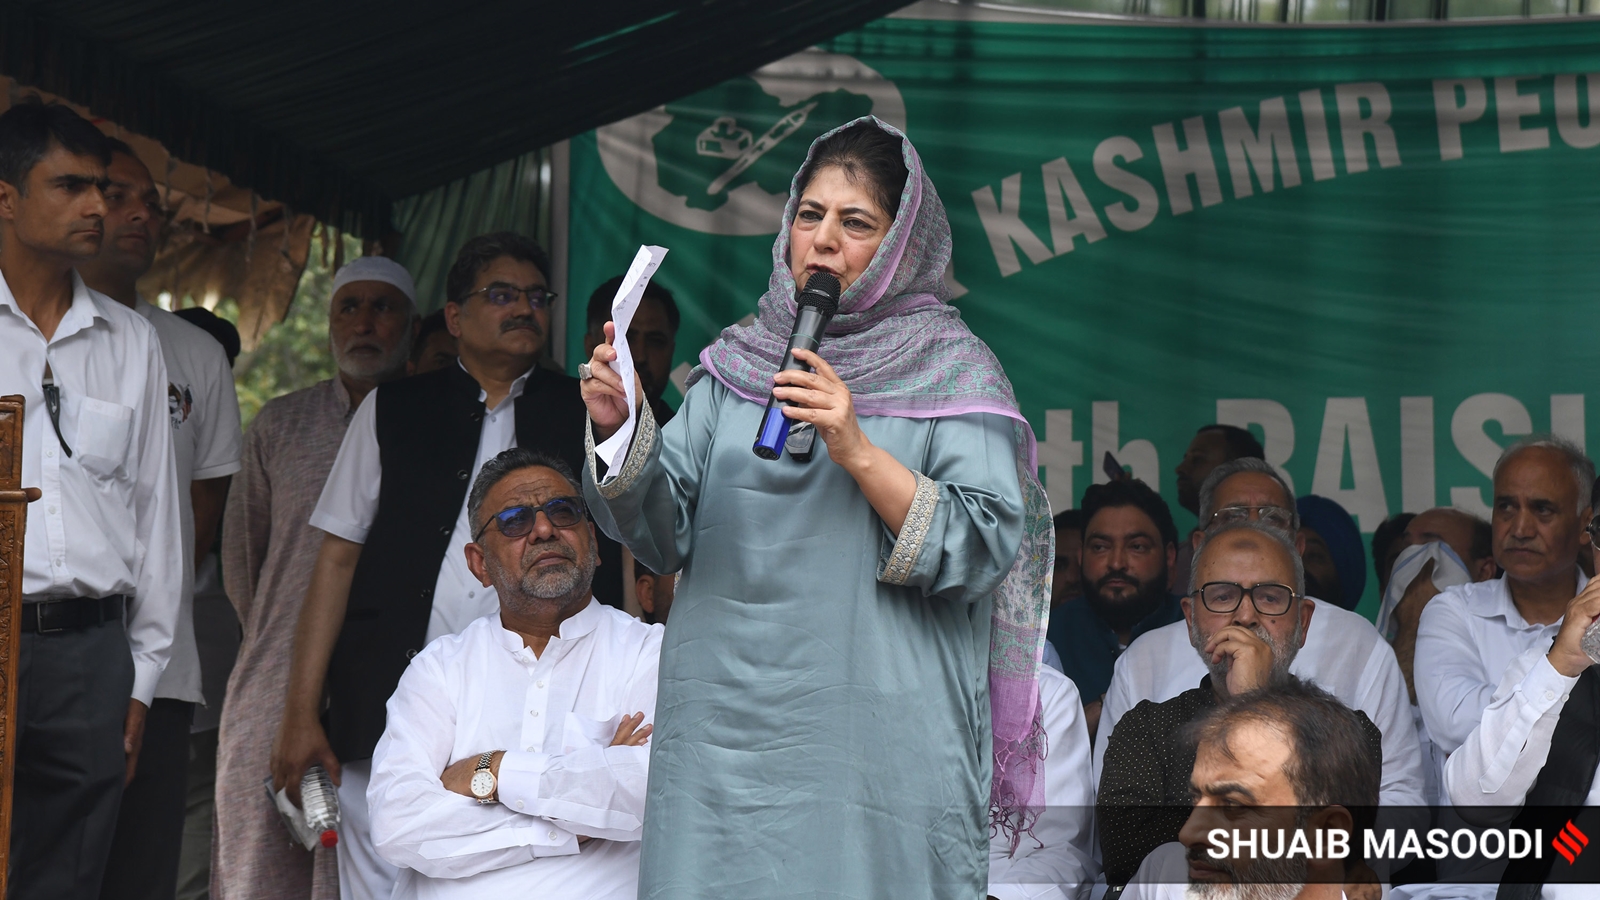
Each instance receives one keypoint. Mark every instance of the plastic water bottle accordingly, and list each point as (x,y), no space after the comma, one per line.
(1591,641)
(320,802)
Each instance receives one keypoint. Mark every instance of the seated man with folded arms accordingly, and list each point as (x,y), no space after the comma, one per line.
(1343,653)
(1056,861)
(1288,756)
(1502,679)
(1247,617)
(514,759)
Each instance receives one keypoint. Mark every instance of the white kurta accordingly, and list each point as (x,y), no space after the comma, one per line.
(1057,861)
(1343,654)
(555,715)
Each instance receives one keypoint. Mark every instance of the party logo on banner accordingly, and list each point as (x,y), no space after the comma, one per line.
(720,161)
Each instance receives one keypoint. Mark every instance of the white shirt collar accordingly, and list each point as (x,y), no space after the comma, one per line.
(579,624)
(1496,601)
(511,395)
(85,308)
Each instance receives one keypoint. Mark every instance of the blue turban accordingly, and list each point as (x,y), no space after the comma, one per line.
(1329,520)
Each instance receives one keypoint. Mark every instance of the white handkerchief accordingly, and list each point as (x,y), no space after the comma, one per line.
(1448,571)
(645,263)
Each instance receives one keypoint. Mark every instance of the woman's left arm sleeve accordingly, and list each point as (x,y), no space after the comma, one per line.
(961,535)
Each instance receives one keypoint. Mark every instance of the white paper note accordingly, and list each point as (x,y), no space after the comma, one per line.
(645,263)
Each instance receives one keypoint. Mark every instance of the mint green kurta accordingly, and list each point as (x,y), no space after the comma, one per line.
(819,733)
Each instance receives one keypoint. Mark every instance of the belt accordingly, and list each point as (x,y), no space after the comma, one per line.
(71,614)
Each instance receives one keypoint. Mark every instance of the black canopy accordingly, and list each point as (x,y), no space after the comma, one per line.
(337,107)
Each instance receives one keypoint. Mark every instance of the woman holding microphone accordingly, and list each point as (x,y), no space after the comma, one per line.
(848,692)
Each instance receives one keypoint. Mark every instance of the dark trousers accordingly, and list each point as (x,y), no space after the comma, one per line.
(144,855)
(72,701)
(199,821)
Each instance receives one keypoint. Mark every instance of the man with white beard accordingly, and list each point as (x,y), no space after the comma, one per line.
(268,550)
(1247,617)
(1289,757)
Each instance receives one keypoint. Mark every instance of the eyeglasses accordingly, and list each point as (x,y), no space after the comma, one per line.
(563,512)
(505,295)
(1271,516)
(52,402)
(1593,529)
(1225,596)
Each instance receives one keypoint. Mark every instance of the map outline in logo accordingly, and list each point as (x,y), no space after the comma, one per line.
(627,149)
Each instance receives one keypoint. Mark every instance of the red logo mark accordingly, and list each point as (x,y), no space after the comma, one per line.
(1570,842)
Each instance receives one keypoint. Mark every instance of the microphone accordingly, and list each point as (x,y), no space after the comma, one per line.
(817,303)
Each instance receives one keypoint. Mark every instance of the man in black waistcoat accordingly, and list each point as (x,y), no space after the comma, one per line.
(392,573)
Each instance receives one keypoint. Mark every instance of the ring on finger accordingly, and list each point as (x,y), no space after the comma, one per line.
(585,373)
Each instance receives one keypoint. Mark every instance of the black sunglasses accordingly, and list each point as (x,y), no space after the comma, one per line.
(563,512)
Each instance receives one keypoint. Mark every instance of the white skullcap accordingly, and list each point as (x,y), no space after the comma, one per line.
(376,268)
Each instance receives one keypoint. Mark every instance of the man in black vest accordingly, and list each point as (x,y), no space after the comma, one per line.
(392,573)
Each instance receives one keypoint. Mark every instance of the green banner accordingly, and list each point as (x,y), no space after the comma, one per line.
(1376,247)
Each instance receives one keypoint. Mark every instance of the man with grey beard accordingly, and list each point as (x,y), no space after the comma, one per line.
(558,766)
(1247,617)
(1290,757)
(268,550)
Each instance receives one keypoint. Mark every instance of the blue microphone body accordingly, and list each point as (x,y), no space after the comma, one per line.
(817,304)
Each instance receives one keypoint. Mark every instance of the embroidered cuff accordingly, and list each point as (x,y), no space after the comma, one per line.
(908,546)
(644,440)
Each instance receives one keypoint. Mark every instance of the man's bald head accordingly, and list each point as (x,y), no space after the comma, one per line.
(1263,550)
(1469,536)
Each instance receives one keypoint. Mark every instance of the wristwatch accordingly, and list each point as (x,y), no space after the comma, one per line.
(483,781)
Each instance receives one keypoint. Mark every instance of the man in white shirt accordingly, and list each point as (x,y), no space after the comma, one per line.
(1290,756)
(391,575)
(204,412)
(514,762)
(1498,659)
(101,544)
(1056,860)
(1343,653)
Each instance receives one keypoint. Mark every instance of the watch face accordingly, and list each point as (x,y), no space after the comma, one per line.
(482,784)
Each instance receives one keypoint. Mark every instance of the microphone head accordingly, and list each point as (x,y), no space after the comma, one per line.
(821,292)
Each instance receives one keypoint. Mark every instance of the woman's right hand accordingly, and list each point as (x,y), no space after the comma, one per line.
(603,394)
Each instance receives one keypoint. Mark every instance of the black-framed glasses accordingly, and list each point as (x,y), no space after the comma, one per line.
(1594,532)
(1271,516)
(52,402)
(1269,599)
(505,295)
(563,512)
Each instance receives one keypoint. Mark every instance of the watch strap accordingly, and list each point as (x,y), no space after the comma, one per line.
(484,763)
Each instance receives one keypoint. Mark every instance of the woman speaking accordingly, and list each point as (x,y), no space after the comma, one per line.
(848,690)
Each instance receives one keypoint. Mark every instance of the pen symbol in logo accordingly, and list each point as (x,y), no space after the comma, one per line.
(1570,842)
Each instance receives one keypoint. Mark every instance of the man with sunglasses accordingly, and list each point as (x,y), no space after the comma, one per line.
(540,712)
(102,572)
(392,574)
(1342,653)
(1247,616)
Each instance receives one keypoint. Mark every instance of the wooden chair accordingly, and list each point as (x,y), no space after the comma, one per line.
(14,500)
